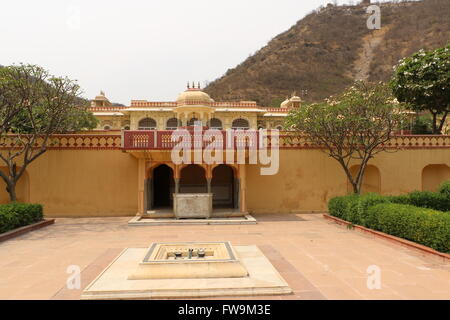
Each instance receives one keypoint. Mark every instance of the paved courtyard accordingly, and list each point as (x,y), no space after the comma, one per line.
(319,259)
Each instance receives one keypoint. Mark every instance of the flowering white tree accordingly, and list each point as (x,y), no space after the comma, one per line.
(423,81)
(351,128)
(34,105)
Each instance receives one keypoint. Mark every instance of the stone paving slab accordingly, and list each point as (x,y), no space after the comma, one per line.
(146,221)
(318,259)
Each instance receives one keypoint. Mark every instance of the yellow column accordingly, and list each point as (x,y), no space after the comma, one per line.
(208,174)
(243,187)
(141,188)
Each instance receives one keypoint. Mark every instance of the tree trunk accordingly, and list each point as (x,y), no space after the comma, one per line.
(356,190)
(441,125)
(11,189)
(435,127)
(350,178)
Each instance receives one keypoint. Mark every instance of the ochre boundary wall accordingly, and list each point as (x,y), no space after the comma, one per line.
(81,182)
(308,178)
(89,175)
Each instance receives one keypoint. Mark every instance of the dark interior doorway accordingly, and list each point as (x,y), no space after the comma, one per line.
(222,187)
(163,186)
(193,179)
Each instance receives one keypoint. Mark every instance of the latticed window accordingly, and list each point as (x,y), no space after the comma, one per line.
(215,123)
(240,124)
(192,122)
(172,124)
(147,124)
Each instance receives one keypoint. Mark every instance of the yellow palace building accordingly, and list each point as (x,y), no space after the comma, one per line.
(124,167)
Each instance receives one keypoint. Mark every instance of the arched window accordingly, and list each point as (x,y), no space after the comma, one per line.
(147,124)
(192,122)
(279,128)
(106,128)
(240,124)
(215,123)
(172,124)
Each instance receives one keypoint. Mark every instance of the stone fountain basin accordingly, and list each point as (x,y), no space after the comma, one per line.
(159,262)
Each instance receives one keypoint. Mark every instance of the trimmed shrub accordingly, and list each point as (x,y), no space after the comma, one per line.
(425,226)
(412,216)
(403,199)
(353,208)
(339,206)
(444,189)
(15,215)
(428,199)
(358,209)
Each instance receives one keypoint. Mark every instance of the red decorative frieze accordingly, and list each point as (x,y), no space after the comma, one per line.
(68,141)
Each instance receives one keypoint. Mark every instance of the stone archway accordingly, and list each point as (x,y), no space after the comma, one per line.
(223,187)
(163,186)
(193,179)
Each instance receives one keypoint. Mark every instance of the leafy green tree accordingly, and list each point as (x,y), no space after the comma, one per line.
(34,105)
(423,81)
(352,127)
(422,125)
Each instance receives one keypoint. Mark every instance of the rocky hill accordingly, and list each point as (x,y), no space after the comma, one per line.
(330,48)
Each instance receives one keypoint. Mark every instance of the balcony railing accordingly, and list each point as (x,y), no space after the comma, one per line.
(162,140)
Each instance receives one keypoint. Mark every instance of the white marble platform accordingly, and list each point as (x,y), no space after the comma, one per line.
(112,283)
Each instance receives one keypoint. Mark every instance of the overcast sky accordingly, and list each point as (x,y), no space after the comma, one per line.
(142,49)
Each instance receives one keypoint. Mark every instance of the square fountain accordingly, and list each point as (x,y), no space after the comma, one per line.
(187,269)
(189,260)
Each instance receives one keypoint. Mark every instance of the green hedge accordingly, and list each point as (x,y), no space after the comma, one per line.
(425,226)
(15,215)
(424,199)
(420,216)
(444,189)
(439,201)
(353,208)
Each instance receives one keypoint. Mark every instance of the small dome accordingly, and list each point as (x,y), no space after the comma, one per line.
(295,99)
(100,101)
(101,97)
(194,96)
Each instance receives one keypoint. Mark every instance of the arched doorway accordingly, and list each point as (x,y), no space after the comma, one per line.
(147,124)
(172,124)
(163,187)
(193,179)
(215,123)
(240,123)
(222,187)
